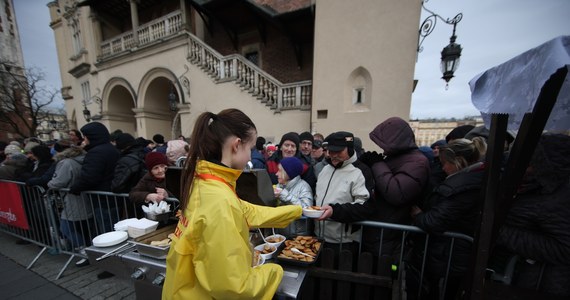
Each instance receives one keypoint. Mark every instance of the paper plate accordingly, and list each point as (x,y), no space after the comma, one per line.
(110,238)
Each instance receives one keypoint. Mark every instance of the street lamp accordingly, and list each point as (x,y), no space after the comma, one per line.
(172,102)
(86,113)
(450,58)
(450,53)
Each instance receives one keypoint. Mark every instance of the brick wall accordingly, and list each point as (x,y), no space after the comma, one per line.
(277,55)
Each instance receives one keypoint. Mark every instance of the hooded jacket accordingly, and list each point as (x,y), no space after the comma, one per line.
(12,167)
(210,256)
(67,172)
(129,170)
(99,163)
(401,180)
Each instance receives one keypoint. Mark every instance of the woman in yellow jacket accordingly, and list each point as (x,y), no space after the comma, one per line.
(210,256)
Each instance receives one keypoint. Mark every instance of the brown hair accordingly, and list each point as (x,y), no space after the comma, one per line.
(210,132)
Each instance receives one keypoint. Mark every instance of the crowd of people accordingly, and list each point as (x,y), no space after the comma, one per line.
(436,188)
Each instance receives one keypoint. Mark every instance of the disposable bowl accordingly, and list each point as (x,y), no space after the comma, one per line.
(312,213)
(272,240)
(266,256)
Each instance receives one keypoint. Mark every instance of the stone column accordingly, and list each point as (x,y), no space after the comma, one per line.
(135,21)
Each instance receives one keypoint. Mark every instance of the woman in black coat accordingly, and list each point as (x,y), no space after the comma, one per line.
(453,206)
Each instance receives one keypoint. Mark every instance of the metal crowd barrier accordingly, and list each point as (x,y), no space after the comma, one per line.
(98,212)
(62,222)
(405,231)
(25,213)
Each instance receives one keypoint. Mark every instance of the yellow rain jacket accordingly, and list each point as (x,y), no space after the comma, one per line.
(210,256)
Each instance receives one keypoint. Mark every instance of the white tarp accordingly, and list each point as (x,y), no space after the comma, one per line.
(513,87)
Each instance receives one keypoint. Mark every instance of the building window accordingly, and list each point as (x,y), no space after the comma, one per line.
(253,57)
(358,96)
(85,91)
(76,36)
(252,53)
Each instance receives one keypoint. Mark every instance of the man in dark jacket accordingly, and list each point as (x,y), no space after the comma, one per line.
(401,175)
(97,172)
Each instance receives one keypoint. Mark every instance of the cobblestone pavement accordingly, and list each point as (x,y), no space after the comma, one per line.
(81,282)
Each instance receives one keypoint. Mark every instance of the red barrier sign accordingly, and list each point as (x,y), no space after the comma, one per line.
(11,206)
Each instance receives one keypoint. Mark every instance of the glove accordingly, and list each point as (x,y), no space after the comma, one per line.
(370,158)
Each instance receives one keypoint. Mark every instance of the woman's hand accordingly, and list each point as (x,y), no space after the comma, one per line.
(414,211)
(154,197)
(328,211)
(162,192)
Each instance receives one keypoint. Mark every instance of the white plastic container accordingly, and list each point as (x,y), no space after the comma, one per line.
(141,227)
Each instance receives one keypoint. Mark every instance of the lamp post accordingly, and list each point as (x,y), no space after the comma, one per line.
(451,53)
(172,101)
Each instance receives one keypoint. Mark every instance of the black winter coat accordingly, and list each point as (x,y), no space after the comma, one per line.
(538,228)
(453,206)
(99,164)
(129,170)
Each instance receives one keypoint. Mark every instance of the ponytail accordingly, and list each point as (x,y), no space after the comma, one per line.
(210,132)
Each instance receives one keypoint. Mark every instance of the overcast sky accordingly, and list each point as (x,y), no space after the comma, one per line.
(490,33)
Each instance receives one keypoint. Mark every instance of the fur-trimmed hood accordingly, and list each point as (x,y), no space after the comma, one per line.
(69,153)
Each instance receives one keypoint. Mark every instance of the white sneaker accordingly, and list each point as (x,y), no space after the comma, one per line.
(82,262)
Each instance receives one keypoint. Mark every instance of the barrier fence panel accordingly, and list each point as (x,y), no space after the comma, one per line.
(400,248)
(24,213)
(80,218)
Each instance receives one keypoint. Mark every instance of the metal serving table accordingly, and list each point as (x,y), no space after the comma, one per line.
(148,274)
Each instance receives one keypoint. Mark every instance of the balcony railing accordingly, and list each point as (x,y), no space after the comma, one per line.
(268,90)
(249,77)
(147,33)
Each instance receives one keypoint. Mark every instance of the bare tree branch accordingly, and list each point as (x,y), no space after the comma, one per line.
(24,99)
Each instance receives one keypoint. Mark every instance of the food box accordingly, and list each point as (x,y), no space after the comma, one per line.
(143,246)
(141,227)
(307,244)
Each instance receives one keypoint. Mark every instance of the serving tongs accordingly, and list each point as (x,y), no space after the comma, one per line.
(116,251)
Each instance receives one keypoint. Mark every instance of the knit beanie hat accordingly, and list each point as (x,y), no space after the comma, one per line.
(290,136)
(259,143)
(12,149)
(292,166)
(271,147)
(158,138)
(124,140)
(306,136)
(155,158)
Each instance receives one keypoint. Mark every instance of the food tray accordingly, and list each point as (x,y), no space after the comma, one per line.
(298,262)
(143,246)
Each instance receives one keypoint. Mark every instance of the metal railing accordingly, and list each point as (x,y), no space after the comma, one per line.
(64,223)
(249,77)
(402,247)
